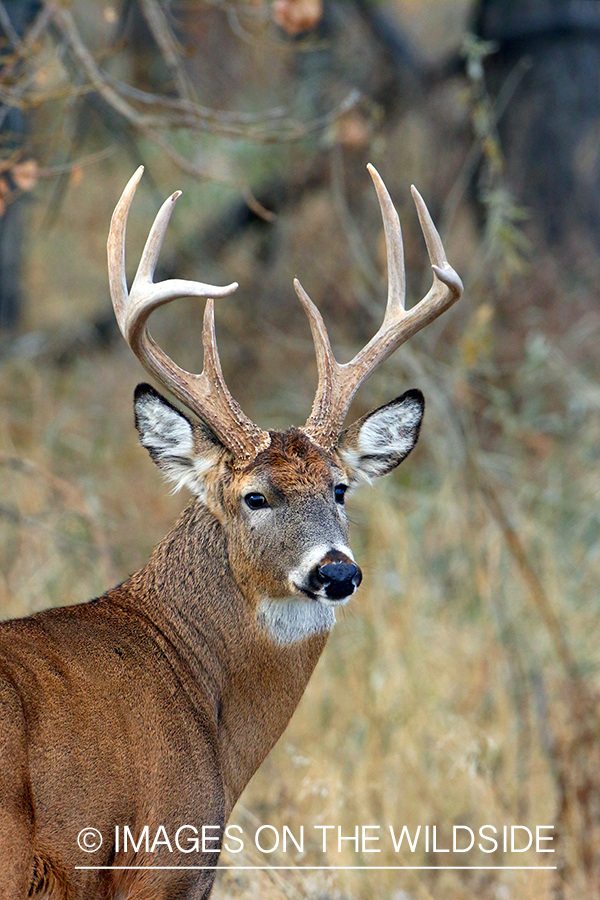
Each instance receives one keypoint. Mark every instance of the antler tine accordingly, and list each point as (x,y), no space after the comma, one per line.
(393,244)
(337,383)
(327,365)
(117,279)
(206,394)
(133,308)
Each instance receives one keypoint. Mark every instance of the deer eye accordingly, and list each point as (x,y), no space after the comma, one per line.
(256,501)
(340,492)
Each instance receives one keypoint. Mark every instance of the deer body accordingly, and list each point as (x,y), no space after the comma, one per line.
(155,704)
(140,710)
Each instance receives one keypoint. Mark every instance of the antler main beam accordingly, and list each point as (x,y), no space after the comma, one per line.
(338,383)
(206,394)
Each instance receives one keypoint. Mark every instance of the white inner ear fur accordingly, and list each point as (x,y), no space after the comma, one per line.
(169,438)
(384,439)
(390,431)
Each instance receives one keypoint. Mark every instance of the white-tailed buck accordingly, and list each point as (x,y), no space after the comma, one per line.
(155,704)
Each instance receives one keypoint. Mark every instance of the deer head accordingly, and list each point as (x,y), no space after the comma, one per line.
(279,496)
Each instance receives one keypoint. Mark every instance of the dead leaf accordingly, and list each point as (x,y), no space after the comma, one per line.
(25,174)
(296,16)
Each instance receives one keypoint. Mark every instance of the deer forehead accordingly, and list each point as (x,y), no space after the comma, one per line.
(292,464)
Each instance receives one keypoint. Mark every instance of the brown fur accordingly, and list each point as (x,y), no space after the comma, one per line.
(293,461)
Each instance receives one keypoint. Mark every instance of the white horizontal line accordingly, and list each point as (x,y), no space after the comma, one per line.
(314,868)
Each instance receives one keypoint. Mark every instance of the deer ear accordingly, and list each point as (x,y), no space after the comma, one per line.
(185,451)
(377,443)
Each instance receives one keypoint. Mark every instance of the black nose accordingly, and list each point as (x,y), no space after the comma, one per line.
(339,579)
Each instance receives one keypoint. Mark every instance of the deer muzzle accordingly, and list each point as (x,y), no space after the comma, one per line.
(339,579)
(334,578)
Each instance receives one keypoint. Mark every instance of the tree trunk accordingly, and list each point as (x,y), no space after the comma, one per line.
(550,126)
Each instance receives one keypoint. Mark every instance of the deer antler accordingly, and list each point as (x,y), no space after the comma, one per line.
(206,394)
(338,383)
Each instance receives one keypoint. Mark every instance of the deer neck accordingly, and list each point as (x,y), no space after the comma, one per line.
(224,654)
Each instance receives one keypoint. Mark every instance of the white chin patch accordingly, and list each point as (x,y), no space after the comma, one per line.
(327,601)
(293,619)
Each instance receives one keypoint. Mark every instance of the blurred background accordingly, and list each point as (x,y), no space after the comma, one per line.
(461,685)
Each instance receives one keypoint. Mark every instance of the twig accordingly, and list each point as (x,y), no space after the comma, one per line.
(190,117)
(66,25)
(168,46)
(217,116)
(89,160)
